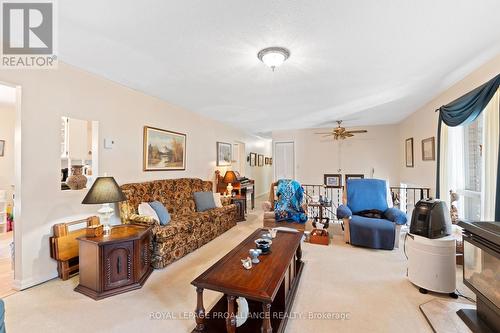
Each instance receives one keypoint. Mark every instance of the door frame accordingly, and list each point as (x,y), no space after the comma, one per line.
(294,157)
(17,235)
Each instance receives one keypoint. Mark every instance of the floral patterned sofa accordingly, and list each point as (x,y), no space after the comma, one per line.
(188,229)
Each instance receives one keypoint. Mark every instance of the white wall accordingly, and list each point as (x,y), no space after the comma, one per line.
(263,175)
(316,155)
(122,112)
(7,127)
(423,124)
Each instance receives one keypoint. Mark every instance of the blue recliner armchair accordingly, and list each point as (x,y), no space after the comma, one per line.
(370,197)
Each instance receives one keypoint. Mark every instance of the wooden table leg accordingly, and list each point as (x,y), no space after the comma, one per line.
(299,254)
(199,311)
(231,319)
(266,321)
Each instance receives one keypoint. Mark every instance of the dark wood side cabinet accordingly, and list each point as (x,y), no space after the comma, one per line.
(116,263)
(241,204)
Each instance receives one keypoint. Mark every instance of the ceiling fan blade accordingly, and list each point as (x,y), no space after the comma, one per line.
(358,131)
(348,135)
(324,133)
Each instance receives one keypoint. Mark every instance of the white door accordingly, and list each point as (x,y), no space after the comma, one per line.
(284,160)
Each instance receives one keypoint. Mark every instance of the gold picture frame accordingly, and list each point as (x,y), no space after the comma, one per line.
(409,153)
(429,149)
(163,150)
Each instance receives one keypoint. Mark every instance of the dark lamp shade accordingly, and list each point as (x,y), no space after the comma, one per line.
(104,190)
(229,177)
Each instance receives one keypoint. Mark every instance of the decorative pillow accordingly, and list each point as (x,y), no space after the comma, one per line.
(204,201)
(146,210)
(218,202)
(161,211)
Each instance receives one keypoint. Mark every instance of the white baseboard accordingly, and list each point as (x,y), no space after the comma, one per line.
(33,281)
(261,195)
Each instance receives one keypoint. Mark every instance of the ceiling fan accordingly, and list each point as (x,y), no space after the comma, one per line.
(340,133)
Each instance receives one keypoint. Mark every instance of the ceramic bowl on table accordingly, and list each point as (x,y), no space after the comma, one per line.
(264,245)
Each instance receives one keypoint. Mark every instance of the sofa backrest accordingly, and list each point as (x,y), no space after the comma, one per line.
(175,194)
(365,194)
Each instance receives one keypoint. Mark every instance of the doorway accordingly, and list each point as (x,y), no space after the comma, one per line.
(284,160)
(9,147)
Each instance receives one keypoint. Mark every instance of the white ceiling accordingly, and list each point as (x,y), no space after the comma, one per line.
(373,62)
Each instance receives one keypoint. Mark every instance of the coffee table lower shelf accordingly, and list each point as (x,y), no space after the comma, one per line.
(215,320)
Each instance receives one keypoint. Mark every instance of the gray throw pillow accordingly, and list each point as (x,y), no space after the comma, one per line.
(204,201)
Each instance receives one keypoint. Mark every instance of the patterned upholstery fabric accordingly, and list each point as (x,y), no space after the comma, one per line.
(188,229)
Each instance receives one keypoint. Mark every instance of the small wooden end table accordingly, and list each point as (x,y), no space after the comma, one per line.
(115,263)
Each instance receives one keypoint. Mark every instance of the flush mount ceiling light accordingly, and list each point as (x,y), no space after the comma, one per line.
(273,56)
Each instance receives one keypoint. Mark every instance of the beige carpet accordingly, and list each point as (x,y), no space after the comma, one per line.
(369,285)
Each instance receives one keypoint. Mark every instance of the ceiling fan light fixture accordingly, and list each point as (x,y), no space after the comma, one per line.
(273,56)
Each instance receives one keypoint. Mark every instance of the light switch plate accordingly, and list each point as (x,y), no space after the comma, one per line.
(109,143)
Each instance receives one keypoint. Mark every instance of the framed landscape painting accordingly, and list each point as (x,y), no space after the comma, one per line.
(163,150)
(428,149)
(333,180)
(409,152)
(224,154)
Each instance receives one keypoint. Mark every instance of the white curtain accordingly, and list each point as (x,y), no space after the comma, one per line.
(452,164)
(491,134)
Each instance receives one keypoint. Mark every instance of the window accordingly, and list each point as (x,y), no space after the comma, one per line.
(473,166)
(469,163)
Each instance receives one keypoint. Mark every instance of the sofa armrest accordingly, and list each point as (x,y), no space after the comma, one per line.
(226,201)
(344,212)
(395,215)
(142,219)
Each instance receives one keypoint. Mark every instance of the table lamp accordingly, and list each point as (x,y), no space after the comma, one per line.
(104,191)
(229,177)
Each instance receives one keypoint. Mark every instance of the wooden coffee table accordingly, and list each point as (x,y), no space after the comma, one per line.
(269,286)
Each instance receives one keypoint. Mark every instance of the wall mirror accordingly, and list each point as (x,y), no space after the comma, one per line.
(79,151)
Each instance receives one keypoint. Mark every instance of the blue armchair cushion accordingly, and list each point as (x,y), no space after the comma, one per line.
(395,215)
(372,233)
(366,194)
(343,212)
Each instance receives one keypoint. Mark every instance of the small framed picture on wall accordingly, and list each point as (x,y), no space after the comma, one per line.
(253,159)
(224,154)
(333,180)
(261,160)
(2,147)
(409,153)
(428,149)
